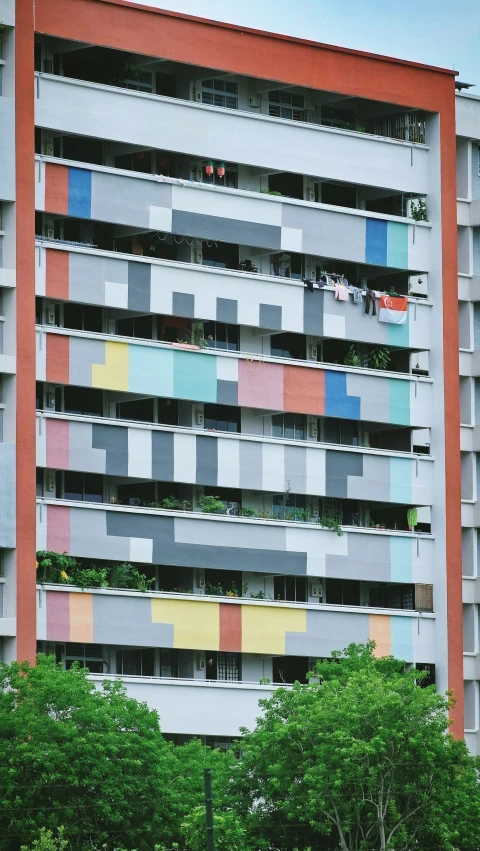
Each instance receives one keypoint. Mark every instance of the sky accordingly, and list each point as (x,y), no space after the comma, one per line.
(436,32)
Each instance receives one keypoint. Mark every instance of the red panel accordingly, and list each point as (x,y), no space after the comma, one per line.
(56,188)
(26,646)
(58,360)
(304,390)
(230,627)
(57,274)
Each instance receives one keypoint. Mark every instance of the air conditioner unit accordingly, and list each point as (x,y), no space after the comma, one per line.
(199,417)
(50,481)
(313,429)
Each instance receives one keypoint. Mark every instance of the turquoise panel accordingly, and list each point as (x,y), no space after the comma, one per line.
(402,637)
(401,470)
(195,376)
(399,335)
(150,370)
(397,245)
(401,559)
(398,401)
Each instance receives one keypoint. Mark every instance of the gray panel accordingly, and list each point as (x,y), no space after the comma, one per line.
(7,495)
(183,304)
(139,275)
(313,312)
(114,439)
(127,200)
(162,456)
(327,631)
(83,353)
(271,316)
(1,338)
(339,465)
(128,621)
(88,273)
(88,536)
(227,310)
(251,463)
(227,392)
(207,460)
(1,601)
(375,483)
(226,230)
(296,468)
(1,424)
(368,557)
(327,233)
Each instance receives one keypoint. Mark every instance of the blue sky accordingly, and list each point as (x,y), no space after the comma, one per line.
(437,32)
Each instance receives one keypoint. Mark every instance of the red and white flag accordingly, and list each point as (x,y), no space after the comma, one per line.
(393,309)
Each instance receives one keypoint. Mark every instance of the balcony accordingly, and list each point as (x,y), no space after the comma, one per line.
(258,301)
(105,112)
(273,384)
(7,494)
(231,460)
(230,215)
(100,616)
(189,539)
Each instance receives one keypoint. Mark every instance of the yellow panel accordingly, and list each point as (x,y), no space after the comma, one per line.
(196,624)
(81,618)
(113,374)
(264,628)
(380,633)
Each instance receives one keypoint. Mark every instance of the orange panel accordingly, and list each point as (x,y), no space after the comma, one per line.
(57,274)
(58,360)
(380,633)
(81,618)
(304,390)
(56,188)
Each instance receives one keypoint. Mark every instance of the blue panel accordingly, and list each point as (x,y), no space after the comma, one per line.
(376,242)
(80,193)
(150,371)
(195,376)
(401,470)
(337,403)
(402,637)
(401,559)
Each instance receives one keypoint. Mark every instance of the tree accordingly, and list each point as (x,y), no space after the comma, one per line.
(359,759)
(93,761)
(230,833)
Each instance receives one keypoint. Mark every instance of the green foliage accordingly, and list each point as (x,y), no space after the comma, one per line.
(229,832)
(174,504)
(361,756)
(418,210)
(47,841)
(331,523)
(211,504)
(412,517)
(248,512)
(60,568)
(351,357)
(378,357)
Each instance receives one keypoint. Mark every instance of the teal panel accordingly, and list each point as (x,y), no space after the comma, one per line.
(401,559)
(195,376)
(150,370)
(402,637)
(397,245)
(401,470)
(398,401)
(399,335)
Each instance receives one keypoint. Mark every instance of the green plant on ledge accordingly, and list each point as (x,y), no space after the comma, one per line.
(418,211)
(210,505)
(351,357)
(378,357)
(330,523)
(62,569)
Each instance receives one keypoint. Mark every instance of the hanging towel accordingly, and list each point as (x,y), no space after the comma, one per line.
(341,292)
(393,310)
(357,295)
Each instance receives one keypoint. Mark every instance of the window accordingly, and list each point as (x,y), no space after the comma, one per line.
(288,346)
(139,161)
(392,597)
(286,265)
(223,666)
(286,105)
(229,179)
(136,326)
(140,409)
(288,506)
(80,400)
(223,255)
(220,93)
(87,655)
(339,431)
(220,335)
(82,317)
(289,426)
(343,592)
(86,487)
(292,588)
(39,481)
(139,81)
(429,680)
(168,663)
(221,418)
(139,663)
(342,118)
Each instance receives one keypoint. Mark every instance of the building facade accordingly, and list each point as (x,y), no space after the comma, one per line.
(240,250)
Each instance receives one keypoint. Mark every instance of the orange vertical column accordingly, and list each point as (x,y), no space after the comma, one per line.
(25,380)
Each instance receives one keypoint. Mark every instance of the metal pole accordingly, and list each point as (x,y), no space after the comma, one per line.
(209,809)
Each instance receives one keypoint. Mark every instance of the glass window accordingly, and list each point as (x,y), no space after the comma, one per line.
(288,346)
(340,431)
(286,105)
(292,588)
(136,662)
(289,426)
(82,400)
(140,409)
(288,506)
(87,655)
(82,317)
(168,663)
(228,667)
(87,487)
(220,335)
(222,418)
(222,93)
(136,326)
(343,592)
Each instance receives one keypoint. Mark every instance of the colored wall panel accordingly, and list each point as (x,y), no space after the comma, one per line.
(58,528)
(196,624)
(113,374)
(337,402)
(58,359)
(399,335)
(260,385)
(376,242)
(264,630)
(150,370)
(304,390)
(57,274)
(380,633)
(58,615)
(401,559)
(401,470)
(230,627)
(81,617)
(397,245)
(56,188)
(194,376)
(79,193)
(58,451)
(402,637)
(398,401)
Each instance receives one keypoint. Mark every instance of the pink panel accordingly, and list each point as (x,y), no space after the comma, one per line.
(260,385)
(58,616)
(57,445)
(58,528)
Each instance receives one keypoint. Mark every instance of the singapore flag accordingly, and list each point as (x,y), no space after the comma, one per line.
(393,309)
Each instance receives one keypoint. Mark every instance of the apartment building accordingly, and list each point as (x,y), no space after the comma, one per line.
(240,252)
